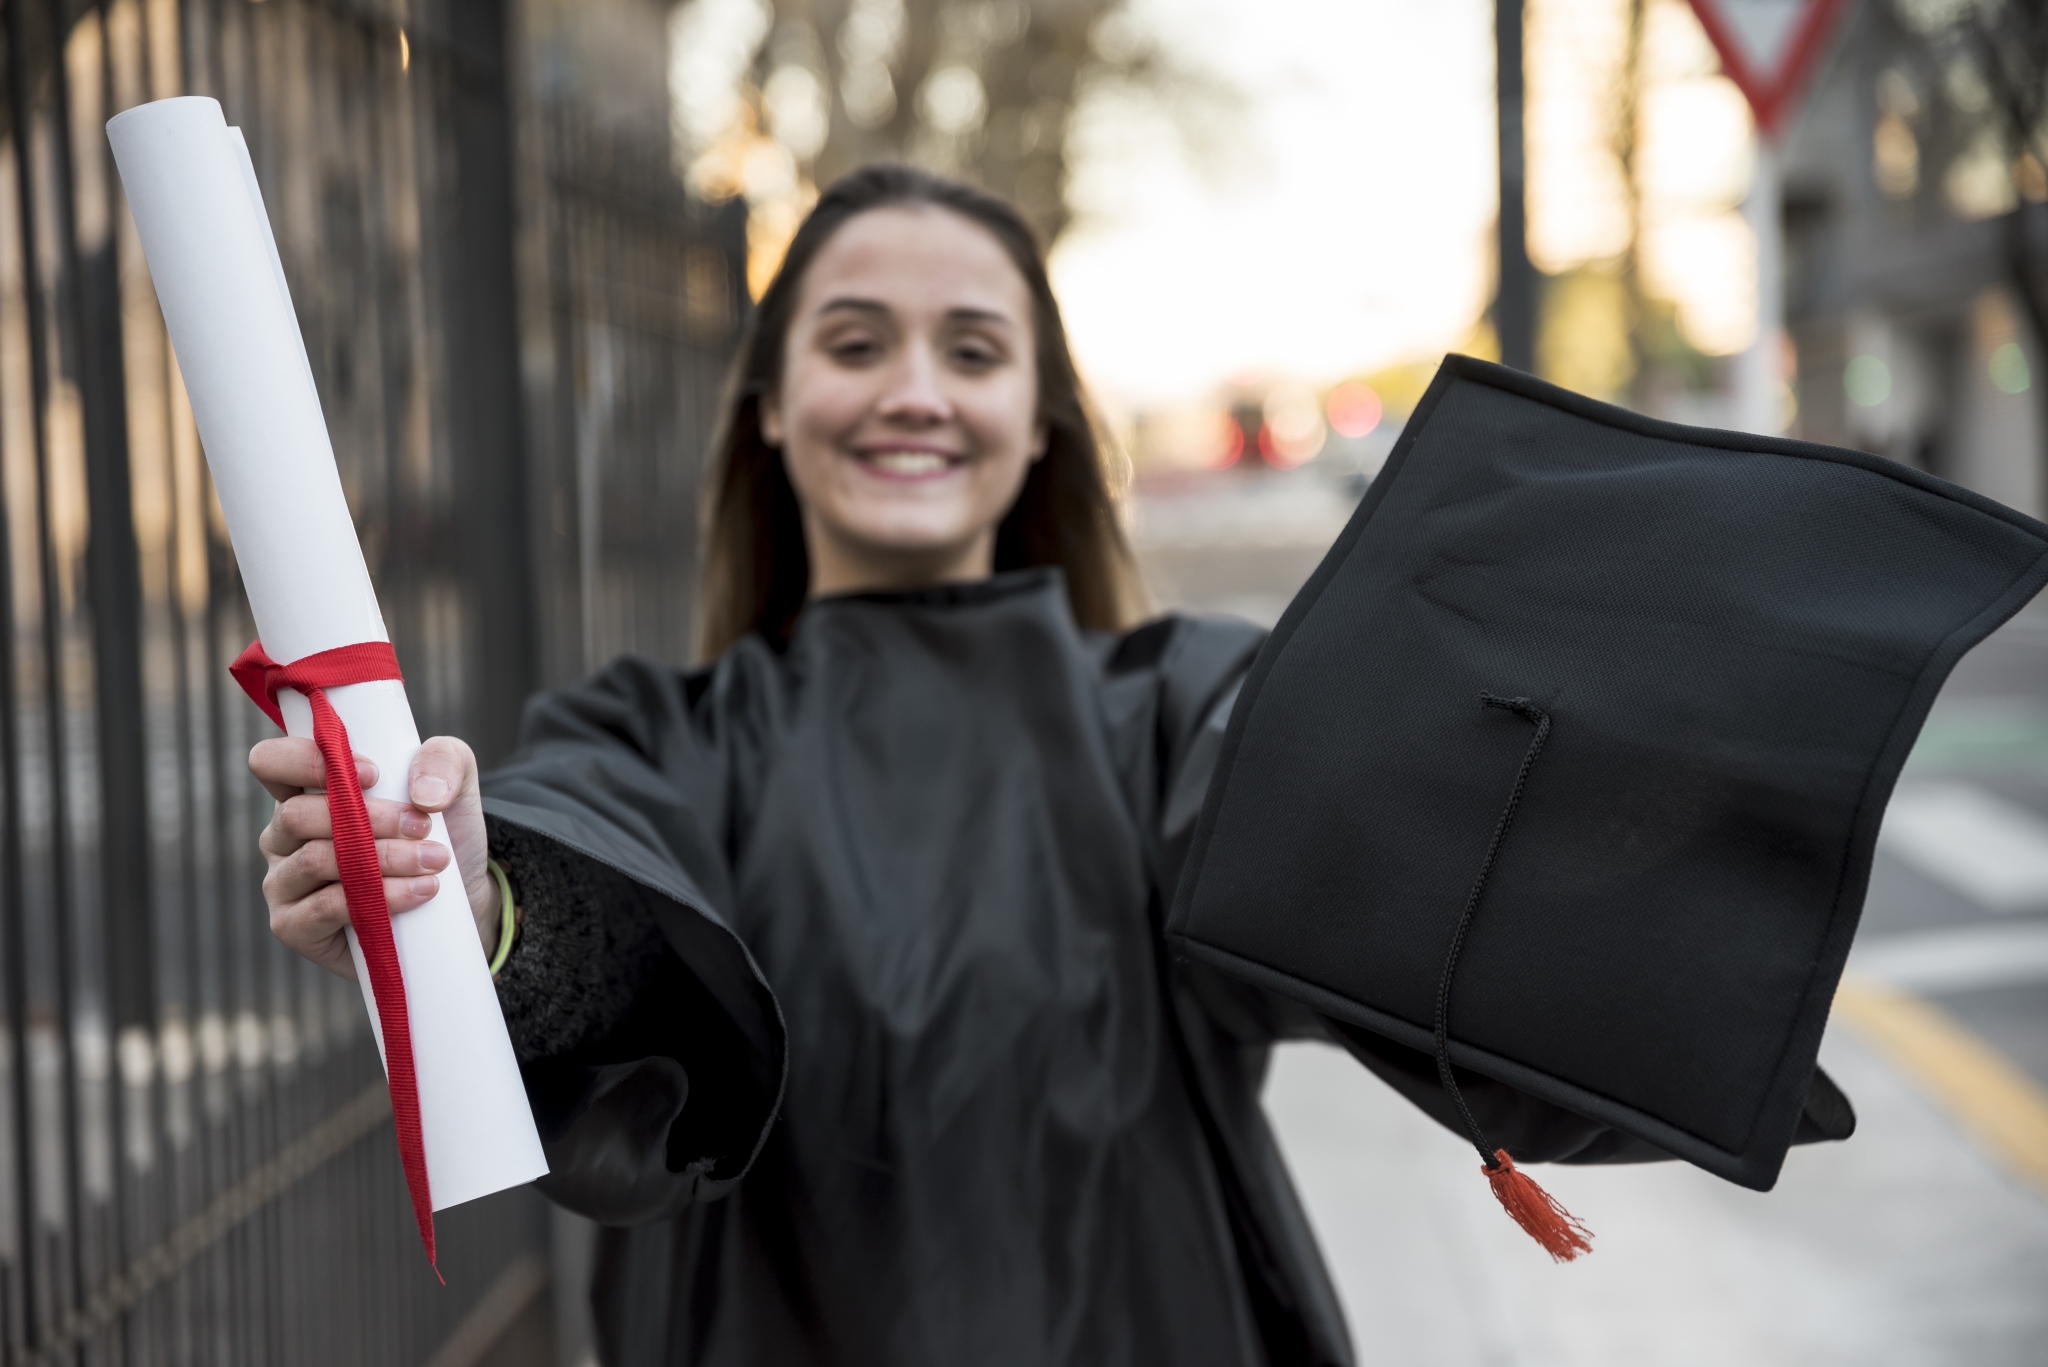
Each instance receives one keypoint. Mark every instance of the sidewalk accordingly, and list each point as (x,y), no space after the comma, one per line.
(1904,1247)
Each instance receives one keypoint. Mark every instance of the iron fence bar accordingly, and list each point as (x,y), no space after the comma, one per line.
(20,1288)
(113,575)
(173,1306)
(211,1135)
(87,1013)
(222,1216)
(58,856)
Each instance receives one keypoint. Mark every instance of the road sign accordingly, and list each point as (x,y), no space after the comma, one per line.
(1768,48)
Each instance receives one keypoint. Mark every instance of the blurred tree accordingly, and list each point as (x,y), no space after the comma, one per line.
(982,89)
(988,85)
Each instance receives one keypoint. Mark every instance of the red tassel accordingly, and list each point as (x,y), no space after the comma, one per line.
(1536,1210)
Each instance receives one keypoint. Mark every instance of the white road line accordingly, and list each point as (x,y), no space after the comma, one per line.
(1960,959)
(1992,851)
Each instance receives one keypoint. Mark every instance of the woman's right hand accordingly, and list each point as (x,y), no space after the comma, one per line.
(307,910)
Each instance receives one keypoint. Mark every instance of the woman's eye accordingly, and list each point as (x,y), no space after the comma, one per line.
(853,350)
(976,355)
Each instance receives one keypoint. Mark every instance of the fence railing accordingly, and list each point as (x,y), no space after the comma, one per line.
(517,320)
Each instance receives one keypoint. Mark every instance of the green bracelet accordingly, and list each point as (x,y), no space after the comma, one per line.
(508,924)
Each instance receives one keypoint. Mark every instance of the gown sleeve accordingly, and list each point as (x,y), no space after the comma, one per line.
(652,1048)
(1201,667)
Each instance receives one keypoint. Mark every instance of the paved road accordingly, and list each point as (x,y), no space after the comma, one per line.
(1923,1240)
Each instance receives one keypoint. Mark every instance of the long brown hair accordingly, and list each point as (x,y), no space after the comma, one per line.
(756,568)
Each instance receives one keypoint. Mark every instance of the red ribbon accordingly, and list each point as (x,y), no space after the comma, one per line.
(355,849)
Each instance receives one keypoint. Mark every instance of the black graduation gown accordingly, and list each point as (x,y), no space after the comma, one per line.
(911,873)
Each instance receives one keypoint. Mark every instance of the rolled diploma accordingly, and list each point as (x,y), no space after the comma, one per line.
(218,278)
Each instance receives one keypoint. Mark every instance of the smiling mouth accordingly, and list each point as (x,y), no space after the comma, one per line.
(909,465)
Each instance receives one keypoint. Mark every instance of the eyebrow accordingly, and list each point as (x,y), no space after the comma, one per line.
(847,303)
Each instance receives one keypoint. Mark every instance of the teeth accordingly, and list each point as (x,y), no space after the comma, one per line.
(907,462)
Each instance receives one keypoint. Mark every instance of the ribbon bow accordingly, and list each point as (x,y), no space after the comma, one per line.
(362,882)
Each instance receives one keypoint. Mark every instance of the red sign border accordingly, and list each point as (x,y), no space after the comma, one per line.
(1770,93)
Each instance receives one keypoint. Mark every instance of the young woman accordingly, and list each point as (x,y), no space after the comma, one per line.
(867,912)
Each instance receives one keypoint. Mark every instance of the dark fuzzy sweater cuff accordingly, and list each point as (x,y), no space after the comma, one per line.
(587,942)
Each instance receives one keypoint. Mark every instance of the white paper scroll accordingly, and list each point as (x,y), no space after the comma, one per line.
(222,288)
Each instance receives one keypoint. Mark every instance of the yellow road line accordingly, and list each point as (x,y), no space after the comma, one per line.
(2006,1109)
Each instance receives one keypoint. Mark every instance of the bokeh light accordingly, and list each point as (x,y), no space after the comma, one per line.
(1293,432)
(1867,381)
(1354,409)
(1233,442)
(2009,369)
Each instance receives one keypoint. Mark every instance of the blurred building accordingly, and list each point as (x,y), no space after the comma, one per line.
(1906,211)
(518,318)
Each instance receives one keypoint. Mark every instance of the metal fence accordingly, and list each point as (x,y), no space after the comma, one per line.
(516,318)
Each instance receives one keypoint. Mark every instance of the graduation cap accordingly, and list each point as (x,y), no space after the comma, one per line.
(1567,764)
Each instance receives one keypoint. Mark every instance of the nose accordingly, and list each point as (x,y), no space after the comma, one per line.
(916,394)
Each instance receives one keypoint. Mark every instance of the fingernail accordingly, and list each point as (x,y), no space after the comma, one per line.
(425,887)
(429,790)
(433,856)
(415,823)
(367,771)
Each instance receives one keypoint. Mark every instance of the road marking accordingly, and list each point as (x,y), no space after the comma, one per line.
(2002,1106)
(1992,851)
(1959,959)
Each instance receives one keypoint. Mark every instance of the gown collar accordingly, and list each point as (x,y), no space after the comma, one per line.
(1038,580)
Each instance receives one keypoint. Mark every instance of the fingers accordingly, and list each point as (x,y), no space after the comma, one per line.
(308,909)
(288,765)
(312,925)
(443,780)
(306,817)
(413,864)
(443,771)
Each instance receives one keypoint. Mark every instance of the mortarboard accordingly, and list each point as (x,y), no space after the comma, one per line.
(1567,764)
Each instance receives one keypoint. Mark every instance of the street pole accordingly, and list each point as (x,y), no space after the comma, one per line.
(1759,371)
(1514,301)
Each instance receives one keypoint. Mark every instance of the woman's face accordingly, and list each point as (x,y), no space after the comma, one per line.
(907,414)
